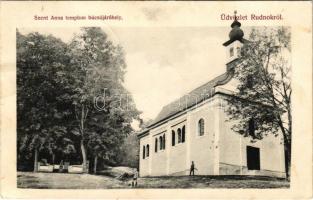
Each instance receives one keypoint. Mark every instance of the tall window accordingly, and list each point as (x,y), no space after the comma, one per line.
(147,149)
(143,152)
(183,134)
(238,51)
(173,138)
(156,145)
(231,51)
(164,141)
(179,135)
(201,127)
(161,142)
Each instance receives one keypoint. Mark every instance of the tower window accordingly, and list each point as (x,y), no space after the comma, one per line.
(161,142)
(238,51)
(231,52)
(143,152)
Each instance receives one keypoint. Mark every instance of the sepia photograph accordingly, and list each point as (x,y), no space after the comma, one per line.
(156,99)
(84,118)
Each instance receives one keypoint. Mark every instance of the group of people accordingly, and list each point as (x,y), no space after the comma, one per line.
(136,174)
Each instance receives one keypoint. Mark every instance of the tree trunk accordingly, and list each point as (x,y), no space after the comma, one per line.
(83,117)
(287,147)
(82,146)
(36,161)
(53,157)
(95,164)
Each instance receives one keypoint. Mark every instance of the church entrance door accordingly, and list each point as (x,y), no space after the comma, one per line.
(253,158)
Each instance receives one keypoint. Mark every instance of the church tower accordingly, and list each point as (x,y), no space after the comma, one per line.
(234,44)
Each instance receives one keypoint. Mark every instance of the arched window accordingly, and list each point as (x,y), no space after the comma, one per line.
(161,142)
(147,149)
(143,152)
(231,52)
(179,135)
(183,134)
(156,145)
(173,138)
(238,51)
(201,127)
(164,141)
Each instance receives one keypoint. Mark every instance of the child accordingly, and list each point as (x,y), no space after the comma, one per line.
(134,182)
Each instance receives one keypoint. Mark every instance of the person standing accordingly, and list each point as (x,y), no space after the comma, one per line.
(134,182)
(192,169)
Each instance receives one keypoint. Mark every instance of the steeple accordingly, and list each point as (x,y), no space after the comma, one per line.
(236,33)
(235,42)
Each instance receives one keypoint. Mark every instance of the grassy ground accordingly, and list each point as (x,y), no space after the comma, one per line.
(88,181)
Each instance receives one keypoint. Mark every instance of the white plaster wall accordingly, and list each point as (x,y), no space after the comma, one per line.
(202,147)
(176,160)
(177,153)
(144,163)
(233,149)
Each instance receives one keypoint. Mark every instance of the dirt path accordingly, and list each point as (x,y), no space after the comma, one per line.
(67,181)
(88,181)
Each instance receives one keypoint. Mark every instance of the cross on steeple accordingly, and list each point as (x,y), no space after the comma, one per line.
(235,12)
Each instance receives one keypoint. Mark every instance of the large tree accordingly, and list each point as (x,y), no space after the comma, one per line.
(70,97)
(102,106)
(40,114)
(262,101)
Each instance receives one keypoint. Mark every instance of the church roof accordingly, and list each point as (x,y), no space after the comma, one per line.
(192,98)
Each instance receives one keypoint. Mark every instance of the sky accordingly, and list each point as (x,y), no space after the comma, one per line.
(163,63)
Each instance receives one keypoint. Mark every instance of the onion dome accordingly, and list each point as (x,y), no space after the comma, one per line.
(236,33)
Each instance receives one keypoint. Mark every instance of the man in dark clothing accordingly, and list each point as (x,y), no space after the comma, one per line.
(192,168)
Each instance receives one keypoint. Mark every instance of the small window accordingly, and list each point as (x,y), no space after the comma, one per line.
(231,52)
(164,141)
(201,127)
(156,145)
(183,134)
(238,51)
(161,142)
(173,138)
(143,152)
(147,149)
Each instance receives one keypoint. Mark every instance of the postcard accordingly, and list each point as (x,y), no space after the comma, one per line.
(156,99)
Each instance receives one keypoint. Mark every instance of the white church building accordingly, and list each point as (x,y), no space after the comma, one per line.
(195,128)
